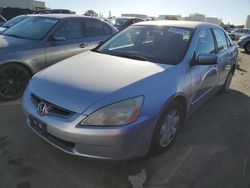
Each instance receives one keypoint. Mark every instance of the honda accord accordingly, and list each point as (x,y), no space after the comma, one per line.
(129,96)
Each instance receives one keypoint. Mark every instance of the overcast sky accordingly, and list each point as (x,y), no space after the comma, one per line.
(229,10)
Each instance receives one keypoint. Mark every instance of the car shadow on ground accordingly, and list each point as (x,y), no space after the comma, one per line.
(211,150)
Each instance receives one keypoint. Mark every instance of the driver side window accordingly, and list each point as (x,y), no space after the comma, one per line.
(205,43)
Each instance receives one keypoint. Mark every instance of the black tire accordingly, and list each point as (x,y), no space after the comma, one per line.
(226,86)
(13,81)
(157,144)
(247,47)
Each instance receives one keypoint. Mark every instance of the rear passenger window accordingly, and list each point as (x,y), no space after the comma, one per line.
(93,28)
(107,29)
(220,39)
(205,43)
(229,42)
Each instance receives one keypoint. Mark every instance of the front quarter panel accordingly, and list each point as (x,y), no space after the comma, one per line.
(33,58)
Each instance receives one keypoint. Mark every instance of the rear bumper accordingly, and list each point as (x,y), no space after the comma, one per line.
(110,143)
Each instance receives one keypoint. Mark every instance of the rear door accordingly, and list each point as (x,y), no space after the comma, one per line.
(68,40)
(96,31)
(204,77)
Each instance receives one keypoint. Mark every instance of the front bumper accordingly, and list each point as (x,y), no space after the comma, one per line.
(111,143)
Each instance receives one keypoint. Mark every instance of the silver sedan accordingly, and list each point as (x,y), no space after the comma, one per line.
(130,95)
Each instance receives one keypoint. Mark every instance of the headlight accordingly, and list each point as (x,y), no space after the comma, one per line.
(121,113)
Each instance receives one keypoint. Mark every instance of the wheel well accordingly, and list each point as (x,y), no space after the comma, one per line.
(183,101)
(20,64)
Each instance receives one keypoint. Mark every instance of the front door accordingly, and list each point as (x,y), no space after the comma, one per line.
(67,41)
(204,77)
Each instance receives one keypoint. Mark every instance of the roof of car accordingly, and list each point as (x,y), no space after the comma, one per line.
(127,17)
(188,24)
(61,16)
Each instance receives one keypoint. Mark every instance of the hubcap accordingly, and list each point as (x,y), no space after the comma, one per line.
(169,128)
(12,82)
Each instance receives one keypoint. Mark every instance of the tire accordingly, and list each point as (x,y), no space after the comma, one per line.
(167,127)
(226,86)
(13,81)
(247,47)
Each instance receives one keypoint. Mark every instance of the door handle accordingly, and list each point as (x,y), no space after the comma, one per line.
(83,45)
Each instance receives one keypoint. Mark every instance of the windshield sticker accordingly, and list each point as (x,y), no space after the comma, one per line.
(178,30)
(50,21)
(183,32)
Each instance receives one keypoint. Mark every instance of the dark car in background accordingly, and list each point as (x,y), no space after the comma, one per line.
(12,22)
(238,33)
(244,42)
(42,40)
(123,22)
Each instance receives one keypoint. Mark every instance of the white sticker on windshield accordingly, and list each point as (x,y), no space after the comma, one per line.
(51,21)
(178,31)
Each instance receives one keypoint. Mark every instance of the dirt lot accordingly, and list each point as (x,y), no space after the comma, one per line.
(211,150)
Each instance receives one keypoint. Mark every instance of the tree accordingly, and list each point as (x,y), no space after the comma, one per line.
(91,13)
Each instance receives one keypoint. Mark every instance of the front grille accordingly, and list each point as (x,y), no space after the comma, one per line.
(54,110)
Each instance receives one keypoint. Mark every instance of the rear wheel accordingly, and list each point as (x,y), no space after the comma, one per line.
(167,127)
(13,81)
(247,47)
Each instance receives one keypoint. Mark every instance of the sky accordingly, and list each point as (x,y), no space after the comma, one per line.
(232,11)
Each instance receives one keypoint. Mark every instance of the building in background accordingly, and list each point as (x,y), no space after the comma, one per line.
(142,16)
(38,5)
(196,17)
(247,25)
(169,17)
(213,20)
(23,4)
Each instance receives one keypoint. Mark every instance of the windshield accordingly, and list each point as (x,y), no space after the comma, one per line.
(34,28)
(159,44)
(14,21)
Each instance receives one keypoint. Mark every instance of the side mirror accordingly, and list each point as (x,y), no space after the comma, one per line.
(59,38)
(207,59)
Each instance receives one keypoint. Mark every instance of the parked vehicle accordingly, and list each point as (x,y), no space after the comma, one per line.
(121,23)
(42,40)
(244,42)
(238,33)
(129,95)
(12,22)
(2,20)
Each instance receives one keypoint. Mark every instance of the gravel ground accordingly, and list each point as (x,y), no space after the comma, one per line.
(211,150)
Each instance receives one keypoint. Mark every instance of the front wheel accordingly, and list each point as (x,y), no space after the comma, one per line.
(13,81)
(167,127)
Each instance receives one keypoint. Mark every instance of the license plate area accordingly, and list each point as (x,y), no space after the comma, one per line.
(38,125)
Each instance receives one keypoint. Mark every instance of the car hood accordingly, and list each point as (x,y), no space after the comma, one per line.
(10,44)
(78,82)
